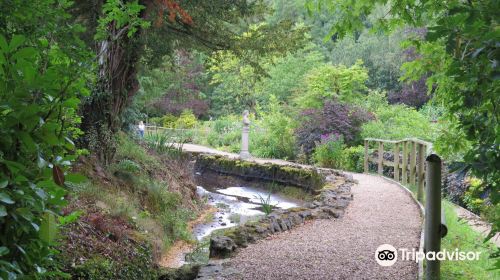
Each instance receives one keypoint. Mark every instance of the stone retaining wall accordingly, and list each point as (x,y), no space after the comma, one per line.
(308,179)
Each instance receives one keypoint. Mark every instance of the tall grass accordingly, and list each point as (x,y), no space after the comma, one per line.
(166,142)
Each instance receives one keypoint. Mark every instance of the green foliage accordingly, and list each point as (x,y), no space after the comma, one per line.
(284,75)
(166,207)
(328,81)
(462,237)
(273,136)
(234,85)
(157,121)
(329,153)
(235,75)
(353,159)
(168,121)
(164,142)
(129,150)
(397,122)
(126,165)
(381,55)
(472,197)
(451,141)
(41,82)
(100,268)
(265,203)
(123,17)
(223,132)
(186,120)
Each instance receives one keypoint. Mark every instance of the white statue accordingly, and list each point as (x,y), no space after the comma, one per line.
(244,154)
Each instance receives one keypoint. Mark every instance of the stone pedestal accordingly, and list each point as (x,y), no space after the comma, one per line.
(244,154)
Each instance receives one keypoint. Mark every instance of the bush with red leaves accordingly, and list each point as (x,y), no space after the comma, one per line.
(333,118)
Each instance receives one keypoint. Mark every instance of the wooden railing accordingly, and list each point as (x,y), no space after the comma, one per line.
(415,164)
(409,160)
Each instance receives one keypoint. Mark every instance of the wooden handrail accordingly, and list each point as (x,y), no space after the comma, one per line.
(419,167)
(408,163)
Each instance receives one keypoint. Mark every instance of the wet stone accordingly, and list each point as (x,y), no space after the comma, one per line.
(221,246)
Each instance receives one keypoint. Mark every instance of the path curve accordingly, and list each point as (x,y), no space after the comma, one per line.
(381,212)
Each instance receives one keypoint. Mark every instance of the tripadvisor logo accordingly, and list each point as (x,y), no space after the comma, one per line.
(387,255)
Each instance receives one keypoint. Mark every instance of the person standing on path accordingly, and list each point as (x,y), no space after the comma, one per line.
(141,127)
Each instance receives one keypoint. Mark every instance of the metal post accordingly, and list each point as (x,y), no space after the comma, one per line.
(366,157)
(432,231)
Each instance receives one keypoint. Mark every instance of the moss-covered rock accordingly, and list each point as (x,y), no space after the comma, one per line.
(185,272)
(307,179)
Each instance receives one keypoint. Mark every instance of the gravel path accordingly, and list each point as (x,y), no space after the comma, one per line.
(340,249)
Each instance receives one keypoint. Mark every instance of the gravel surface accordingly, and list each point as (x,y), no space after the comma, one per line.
(380,213)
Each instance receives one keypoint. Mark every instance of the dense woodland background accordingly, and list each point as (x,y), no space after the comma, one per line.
(76,77)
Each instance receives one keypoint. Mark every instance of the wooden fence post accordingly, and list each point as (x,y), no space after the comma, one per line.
(405,163)
(420,173)
(413,161)
(396,162)
(432,230)
(366,157)
(380,157)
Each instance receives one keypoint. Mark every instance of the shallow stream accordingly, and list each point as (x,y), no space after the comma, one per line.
(233,205)
(237,204)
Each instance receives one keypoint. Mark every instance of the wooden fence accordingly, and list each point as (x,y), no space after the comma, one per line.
(415,164)
(409,160)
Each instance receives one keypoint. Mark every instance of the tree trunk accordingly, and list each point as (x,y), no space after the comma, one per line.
(116,85)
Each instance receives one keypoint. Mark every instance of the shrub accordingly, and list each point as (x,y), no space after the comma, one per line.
(168,120)
(328,152)
(398,122)
(157,121)
(334,117)
(138,266)
(224,132)
(353,158)
(186,120)
(273,136)
(128,149)
(41,87)
(327,81)
(474,196)
(413,94)
(128,166)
